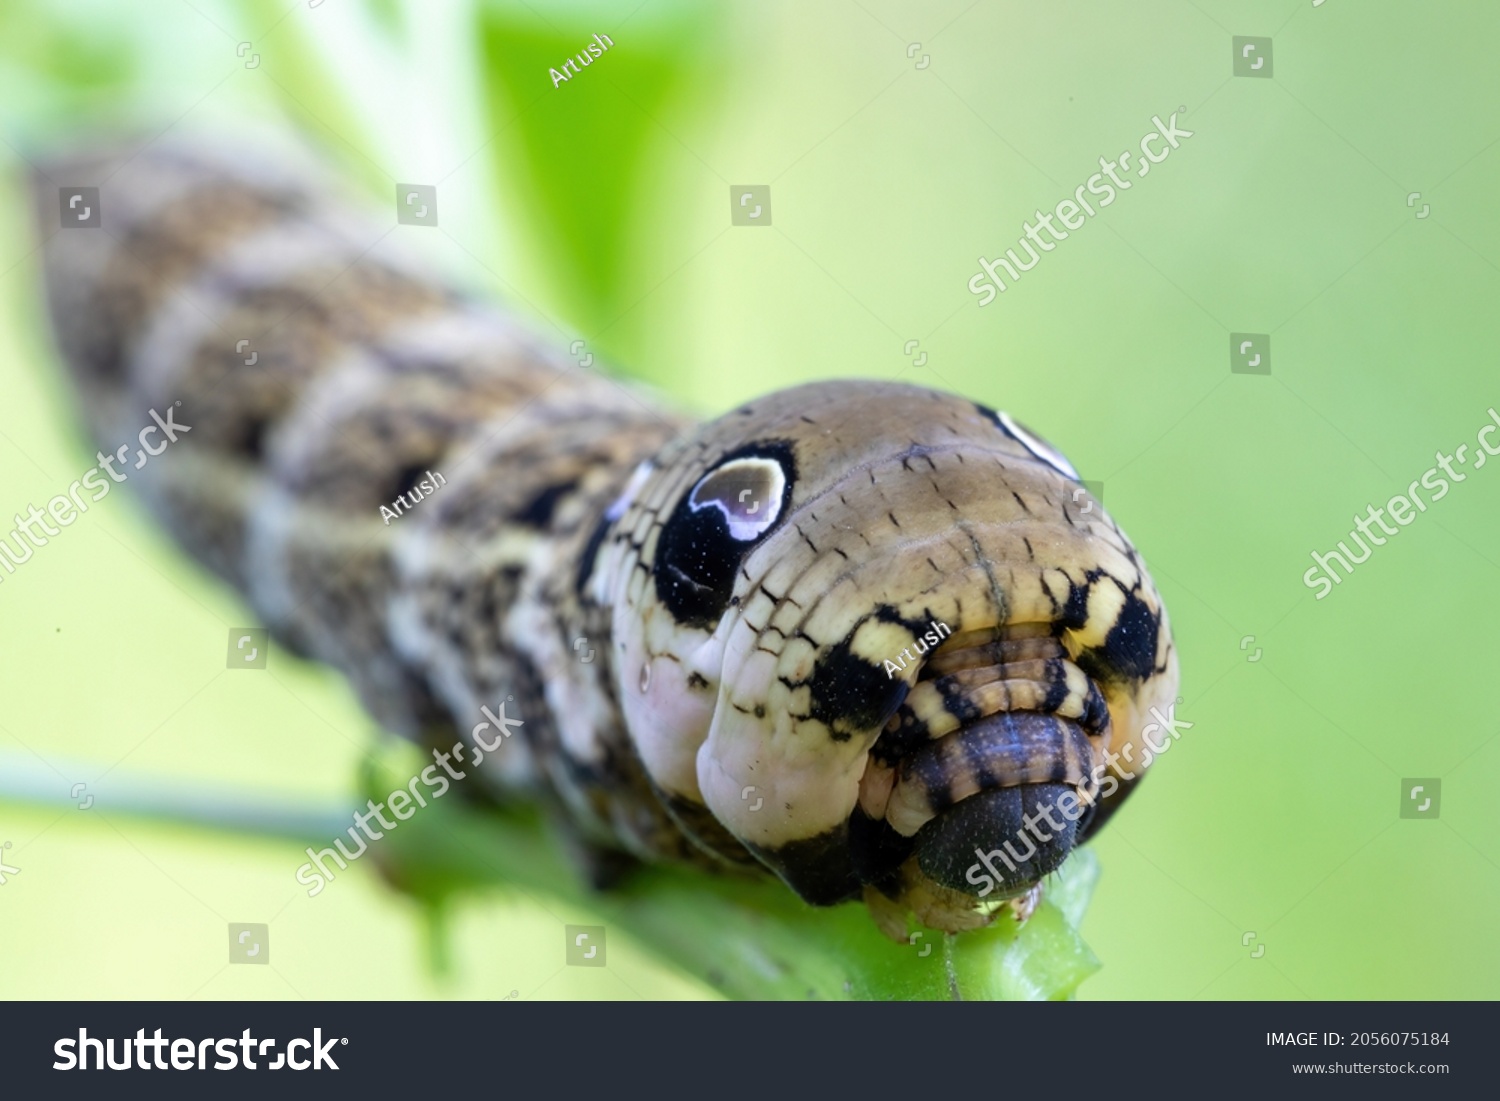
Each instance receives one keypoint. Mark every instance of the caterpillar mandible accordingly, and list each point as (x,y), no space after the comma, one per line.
(855,634)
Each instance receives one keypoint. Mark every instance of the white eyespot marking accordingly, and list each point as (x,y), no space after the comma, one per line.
(1037,446)
(627,495)
(747,492)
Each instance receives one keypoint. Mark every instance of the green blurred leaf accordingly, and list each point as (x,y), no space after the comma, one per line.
(583,143)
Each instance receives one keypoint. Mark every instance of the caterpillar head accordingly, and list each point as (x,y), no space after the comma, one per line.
(881,639)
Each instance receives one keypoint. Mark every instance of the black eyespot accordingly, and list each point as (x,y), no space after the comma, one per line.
(720,520)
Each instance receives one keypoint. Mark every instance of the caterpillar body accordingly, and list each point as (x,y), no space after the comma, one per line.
(854,634)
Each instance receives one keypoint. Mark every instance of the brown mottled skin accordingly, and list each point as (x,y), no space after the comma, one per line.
(713,634)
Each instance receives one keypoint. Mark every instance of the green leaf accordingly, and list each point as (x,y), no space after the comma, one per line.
(578,151)
(747,938)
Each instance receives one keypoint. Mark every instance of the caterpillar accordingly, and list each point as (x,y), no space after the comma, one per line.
(856,634)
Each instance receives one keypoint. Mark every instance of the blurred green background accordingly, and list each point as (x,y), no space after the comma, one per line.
(601,210)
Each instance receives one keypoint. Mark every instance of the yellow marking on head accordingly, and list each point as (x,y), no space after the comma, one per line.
(1105,602)
(878,642)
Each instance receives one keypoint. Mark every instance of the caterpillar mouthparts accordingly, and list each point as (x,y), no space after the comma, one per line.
(1000,729)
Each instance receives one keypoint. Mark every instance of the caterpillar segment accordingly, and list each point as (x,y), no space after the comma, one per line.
(854,634)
